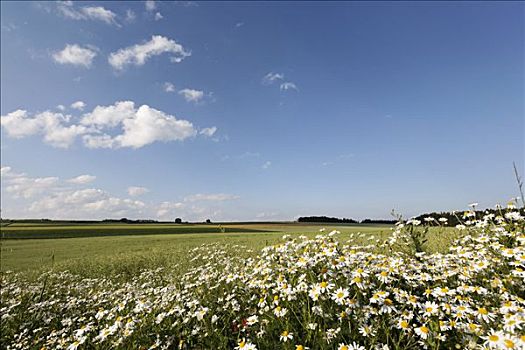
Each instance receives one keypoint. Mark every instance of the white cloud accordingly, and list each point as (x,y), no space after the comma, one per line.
(110,116)
(75,55)
(208,131)
(158,16)
(137,191)
(169,87)
(98,13)
(288,86)
(191,95)
(78,105)
(239,24)
(99,129)
(22,186)
(138,54)
(271,77)
(49,197)
(19,124)
(86,203)
(212,197)
(82,179)
(5,170)
(171,208)
(150,5)
(99,141)
(266,164)
(61,107)
(151,125)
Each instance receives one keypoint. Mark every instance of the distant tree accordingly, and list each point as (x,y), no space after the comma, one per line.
(178,221)
(208,221)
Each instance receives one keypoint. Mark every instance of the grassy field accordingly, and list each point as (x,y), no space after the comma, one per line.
(111,249)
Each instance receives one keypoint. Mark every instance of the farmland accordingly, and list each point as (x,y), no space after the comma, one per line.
(266,286)
(113,247)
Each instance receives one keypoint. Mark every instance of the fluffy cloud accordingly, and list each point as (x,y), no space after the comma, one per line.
(169,87)
(110,116)
(49,197)
(140,126)
(137,191)
(22,186)
(78,105)
(113,126)
(97,13)
(288,86)
(19,124)
(138,54)
(212,197)
(267,164)
(75,55)
(191,95)
(150,125)
(272,77)
(82,179)
(158,16)
(86,203)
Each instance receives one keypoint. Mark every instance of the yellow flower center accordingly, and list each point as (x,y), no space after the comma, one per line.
(424,329)
(509,344)
(323,284)
(299,347)
(483,311)
(404,324)
(284,333)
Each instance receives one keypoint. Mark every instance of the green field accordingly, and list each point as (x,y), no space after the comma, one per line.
(115,249)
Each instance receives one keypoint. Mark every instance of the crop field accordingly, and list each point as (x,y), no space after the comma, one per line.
(417,285)
(111,247)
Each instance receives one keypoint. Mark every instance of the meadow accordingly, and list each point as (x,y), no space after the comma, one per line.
(417,285)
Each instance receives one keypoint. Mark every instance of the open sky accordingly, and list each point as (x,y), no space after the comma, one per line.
(259,111)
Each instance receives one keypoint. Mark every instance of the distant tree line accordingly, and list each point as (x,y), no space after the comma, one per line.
(326,219)
(129,221)
(378,221)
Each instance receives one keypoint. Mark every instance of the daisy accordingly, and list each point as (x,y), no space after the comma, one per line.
(422,331)
(285,336)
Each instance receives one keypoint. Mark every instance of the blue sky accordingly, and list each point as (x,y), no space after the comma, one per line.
(259,111)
